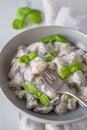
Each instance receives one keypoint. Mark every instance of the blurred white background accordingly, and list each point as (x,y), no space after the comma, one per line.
(8,8)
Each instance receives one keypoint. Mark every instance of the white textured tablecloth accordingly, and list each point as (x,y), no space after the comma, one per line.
(62,16)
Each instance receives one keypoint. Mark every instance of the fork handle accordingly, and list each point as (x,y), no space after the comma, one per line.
(77,97)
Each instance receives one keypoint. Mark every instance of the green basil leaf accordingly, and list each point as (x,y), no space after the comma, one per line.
(38,94)
(32,56)
(47,39)
(64,72)
(48,59)
(23,59)
(62,39)
(31,89)
(35,16)
(68,96)
(35,11)
(19,23)
(54,38)
(54,53)
(44,100)
(75,66)
(23,12)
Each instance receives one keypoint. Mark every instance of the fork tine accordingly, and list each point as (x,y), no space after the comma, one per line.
(45,79)
(48,74)
(59,85)
(52,73)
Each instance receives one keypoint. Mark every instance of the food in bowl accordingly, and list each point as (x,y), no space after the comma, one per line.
(55,52)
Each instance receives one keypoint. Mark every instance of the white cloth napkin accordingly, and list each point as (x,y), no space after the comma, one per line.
(64,16)
(61,16)
(28,124)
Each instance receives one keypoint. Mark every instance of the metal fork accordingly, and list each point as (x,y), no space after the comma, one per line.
(54,82)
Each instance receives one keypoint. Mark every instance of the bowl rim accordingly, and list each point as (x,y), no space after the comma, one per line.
(39,119)
(46,26)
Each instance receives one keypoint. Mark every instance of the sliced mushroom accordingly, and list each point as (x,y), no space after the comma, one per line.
(17,80)
(73,87)
(14,60)
(38,65)
(52,65)
(40,47)
(44,109)
(35,46)
(37,81)
(59,63)
(61,108)
(83,91)
(19,53)
(69,58)
(56,100)
(59,45)
(78,78)
(65,50)
(85,58)
(46,90)
(64,98)
(28,75)
(79,52)
(22,94)
(72,104)
(14,69)
(32,102)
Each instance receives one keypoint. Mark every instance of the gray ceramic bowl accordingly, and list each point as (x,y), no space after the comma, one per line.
(6,56)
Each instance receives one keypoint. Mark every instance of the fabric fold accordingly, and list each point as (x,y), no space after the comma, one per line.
(27,124)
(64,16)
(50,11)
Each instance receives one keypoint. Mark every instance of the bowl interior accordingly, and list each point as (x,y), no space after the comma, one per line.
(28,37)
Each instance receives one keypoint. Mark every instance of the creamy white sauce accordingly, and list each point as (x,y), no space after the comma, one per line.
(21,73)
